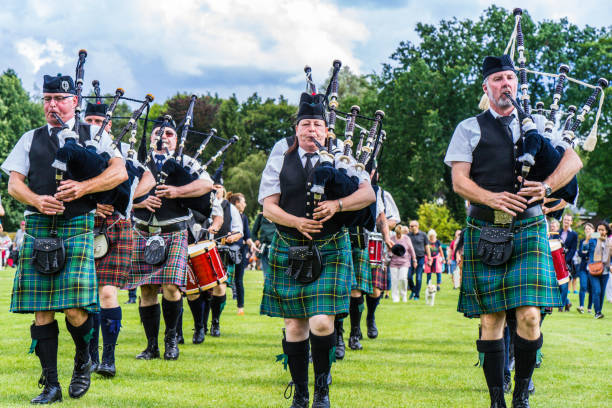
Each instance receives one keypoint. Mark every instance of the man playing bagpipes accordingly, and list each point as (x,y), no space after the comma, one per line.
(56,269)
(507,266)
(160,252)
(113,256)
(310,260)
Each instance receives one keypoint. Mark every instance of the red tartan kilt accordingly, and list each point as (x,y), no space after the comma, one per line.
(114,268)
(379,277)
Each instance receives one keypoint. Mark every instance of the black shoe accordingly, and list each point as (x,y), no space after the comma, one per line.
(51,392)
(151,352)
(372,329)
(171,351)
(511,362)
(497,397)
(598,316)
(438,288)
(531,387)
(321,392)
(180,339)
(354,343)
(520,397)
(81,377)
(340,345)
(198,335)
(107,367)
(215,331)
(300,394)
(507,383)
(130,301)
(94,366)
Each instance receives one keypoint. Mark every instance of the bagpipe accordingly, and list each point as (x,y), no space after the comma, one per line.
(80,162)
(339,171)
(542,152)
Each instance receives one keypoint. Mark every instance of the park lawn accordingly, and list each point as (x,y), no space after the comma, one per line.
(424,357)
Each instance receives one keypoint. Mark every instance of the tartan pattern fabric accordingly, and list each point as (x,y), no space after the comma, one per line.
(114,268)
(172,272)
(74,286)
(230,269)
(380,278)
(328,295)
(362,275)
(527,279)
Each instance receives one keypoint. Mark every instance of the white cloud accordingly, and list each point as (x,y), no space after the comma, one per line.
(39,54)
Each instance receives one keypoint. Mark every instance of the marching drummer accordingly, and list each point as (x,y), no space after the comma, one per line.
(161,222)
(309,309)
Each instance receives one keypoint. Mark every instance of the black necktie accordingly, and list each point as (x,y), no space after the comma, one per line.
(54,138)
(308,166)
(506,121)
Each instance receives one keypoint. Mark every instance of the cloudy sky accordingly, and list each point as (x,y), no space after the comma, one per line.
(228,46)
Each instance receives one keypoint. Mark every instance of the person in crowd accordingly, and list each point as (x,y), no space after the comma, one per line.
(5,246)
(570,242)
(554,238)
(415,274)
(587,246)
(263,231)
(435,259)
(450,252)
(20,234)
(245,242)
(402,256)
(599,268)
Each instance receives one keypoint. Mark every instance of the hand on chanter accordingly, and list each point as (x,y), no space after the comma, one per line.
(533,189)
(49,205)
(325,210)
(507,202)
(307,226)
(151,203)
(70,190)
(104,210)
(164,190)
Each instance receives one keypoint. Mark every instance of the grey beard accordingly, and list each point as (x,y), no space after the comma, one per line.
(501,102)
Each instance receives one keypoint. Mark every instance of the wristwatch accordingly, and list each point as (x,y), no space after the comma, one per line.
(547,190)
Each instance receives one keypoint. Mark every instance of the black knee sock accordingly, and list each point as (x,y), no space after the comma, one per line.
(179,322)
(171,310)
(111,324)
(149,316)
(216,306)
(206,300)
(197,312)
(355,309)
(45,337)
(372,303)
(493,363)
(81,336)
(95,338)
(321,347)
(297,359)
(525,352)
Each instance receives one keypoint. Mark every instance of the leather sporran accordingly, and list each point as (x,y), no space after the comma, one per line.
(155,251)
(230,254)
(495,245)
(304,263)
(49,255)
(101,242)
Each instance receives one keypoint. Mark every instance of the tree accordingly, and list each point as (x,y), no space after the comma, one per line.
(18,114)
(245,178)
(437,217)
(268,122)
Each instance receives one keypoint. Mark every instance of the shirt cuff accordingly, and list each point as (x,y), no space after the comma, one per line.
(450,158)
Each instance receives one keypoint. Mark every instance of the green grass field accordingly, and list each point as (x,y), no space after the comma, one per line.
(424,357)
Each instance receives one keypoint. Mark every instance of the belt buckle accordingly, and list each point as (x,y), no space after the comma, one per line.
(153,230)
(501,217)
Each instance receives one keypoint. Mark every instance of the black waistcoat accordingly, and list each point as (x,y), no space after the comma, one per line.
(226,228)
(494,165)
(170,208)
(41,176)
(295,197)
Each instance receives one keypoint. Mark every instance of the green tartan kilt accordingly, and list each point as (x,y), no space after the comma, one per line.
(75,286)
(527,279)
(362,274)
(231,270)
(328,295)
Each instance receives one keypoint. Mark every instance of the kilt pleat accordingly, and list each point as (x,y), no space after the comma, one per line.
(74,286)
(361,273)
(114,268)
(380,279)
(527,279)
(328,295)
(172,272)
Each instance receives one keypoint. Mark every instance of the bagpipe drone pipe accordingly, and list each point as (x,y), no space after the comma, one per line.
(542,152)
(84,161)
(339,172)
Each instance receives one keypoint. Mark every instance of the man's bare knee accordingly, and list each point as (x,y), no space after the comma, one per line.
(296,329)
(321,325)
(76,317)
(42,318)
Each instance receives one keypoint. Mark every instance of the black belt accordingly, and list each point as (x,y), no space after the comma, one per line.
(501,217)
(176,227)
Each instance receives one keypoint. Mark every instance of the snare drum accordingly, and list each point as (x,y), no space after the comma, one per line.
(375,248)
(558,256)
(204,269)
